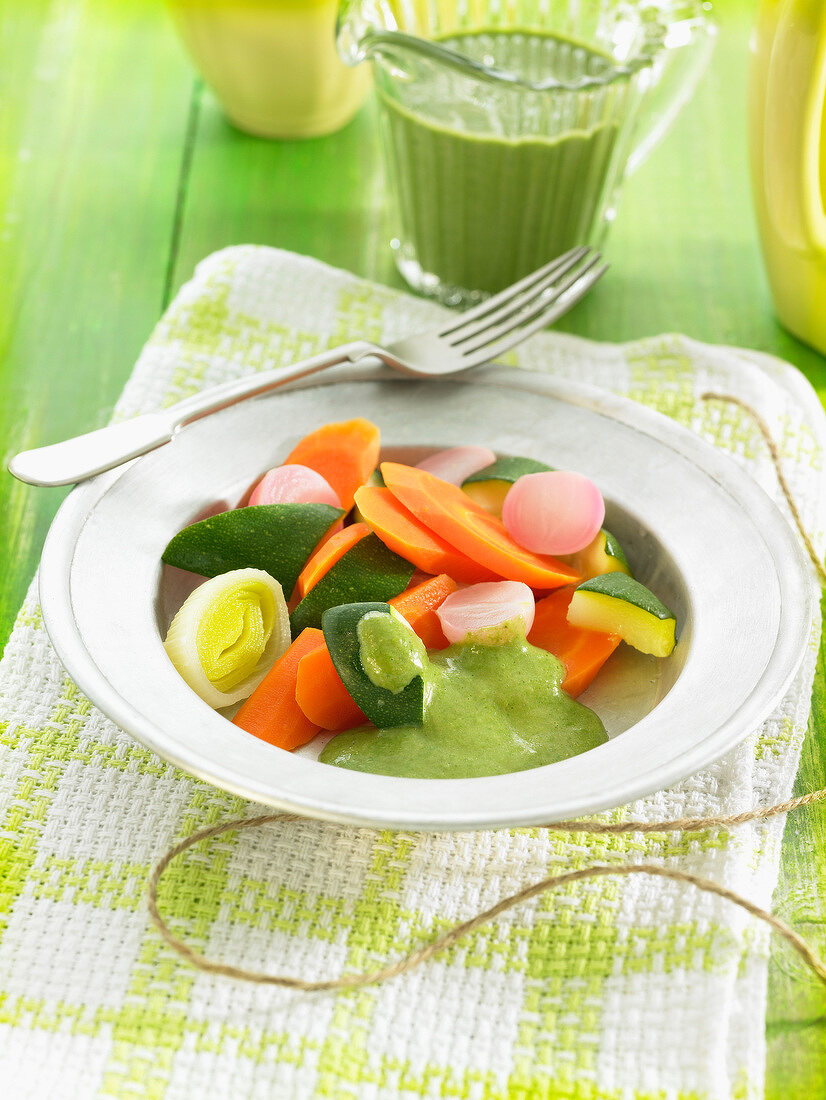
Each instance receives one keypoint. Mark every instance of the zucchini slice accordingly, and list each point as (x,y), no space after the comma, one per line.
(603,555)
(489,486)
(365,662)
(276,538)
(368,571)
(617,604)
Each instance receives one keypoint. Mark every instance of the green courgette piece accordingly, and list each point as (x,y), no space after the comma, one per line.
(603,555)
(277,538)
(374,479)
(368,571)
(383,707)
(617,604)
(489,487)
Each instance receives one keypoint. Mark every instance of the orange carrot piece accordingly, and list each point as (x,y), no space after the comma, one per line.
(271,712)
(345,453)
(322,696)
(417,606)
(445,509)
(583,652)
(403,533)
(327,553)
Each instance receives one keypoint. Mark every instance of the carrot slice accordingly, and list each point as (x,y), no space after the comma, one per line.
(583,652)
(445,509)
(321,695)
(345,453)
(271,712)
(327,553)
(403,533)
(417,606)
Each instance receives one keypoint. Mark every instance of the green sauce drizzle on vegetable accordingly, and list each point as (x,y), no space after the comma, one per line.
(488,709)
(389,651)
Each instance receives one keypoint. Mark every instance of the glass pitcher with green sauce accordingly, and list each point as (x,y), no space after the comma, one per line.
(508,125)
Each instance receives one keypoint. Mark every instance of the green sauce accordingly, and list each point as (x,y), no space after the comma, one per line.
(489,191)
(389,651)
(488,710)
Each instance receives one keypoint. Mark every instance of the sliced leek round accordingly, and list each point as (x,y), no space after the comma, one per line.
(228,634)
(617,604)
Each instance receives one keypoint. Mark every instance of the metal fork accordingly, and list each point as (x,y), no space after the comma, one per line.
(467,340)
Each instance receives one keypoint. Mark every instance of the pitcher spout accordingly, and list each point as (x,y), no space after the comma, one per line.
(361,25)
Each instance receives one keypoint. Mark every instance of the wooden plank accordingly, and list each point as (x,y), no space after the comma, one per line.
(322,197)
(94,99)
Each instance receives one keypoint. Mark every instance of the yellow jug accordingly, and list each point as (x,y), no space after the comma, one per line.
(787,136)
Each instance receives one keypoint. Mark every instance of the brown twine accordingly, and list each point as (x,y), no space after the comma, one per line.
(774,451)
(585,825)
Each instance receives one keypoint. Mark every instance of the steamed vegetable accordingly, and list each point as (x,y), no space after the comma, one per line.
(457,463)
(401,531)
(272,712)
(449,512)
(367,571)
(419,606)
(490,613)
(320,693)
(582,652)
(326,555)
(490,485)
(602,555)
(277,538)
(227,635)
(556,512)
(291,484)
(344,453)
(379,662)
(617,604)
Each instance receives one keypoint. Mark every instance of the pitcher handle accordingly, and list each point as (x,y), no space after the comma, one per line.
(794,122)
(679,63)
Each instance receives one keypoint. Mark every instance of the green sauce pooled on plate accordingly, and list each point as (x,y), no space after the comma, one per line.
(488,709)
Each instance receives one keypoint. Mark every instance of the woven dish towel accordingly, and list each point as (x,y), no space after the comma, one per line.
(612,988)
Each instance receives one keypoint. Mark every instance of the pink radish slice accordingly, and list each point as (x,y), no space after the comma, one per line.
(457,463)
(294,485)
(553,512)
(480,608)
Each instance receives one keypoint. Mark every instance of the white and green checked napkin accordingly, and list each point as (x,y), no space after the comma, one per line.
(613,988)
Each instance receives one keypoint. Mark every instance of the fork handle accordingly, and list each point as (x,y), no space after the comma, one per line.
(84,456)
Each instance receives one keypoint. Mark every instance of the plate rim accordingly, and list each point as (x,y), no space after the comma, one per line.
(65,635)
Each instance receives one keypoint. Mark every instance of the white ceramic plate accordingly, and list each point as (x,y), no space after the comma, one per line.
(697,530)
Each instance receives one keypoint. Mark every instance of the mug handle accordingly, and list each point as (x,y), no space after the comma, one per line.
(681,59)
(795,126)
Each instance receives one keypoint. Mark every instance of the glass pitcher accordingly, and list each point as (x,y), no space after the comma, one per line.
(508,125)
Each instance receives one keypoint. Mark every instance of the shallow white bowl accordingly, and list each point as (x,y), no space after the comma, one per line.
(697,530)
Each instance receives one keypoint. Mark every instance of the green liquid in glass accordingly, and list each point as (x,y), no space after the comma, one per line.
(479,210)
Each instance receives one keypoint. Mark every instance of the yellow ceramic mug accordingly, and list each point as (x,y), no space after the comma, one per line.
(787,127)
(272,63)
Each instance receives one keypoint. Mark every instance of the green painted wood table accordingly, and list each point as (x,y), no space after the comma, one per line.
(118,173)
